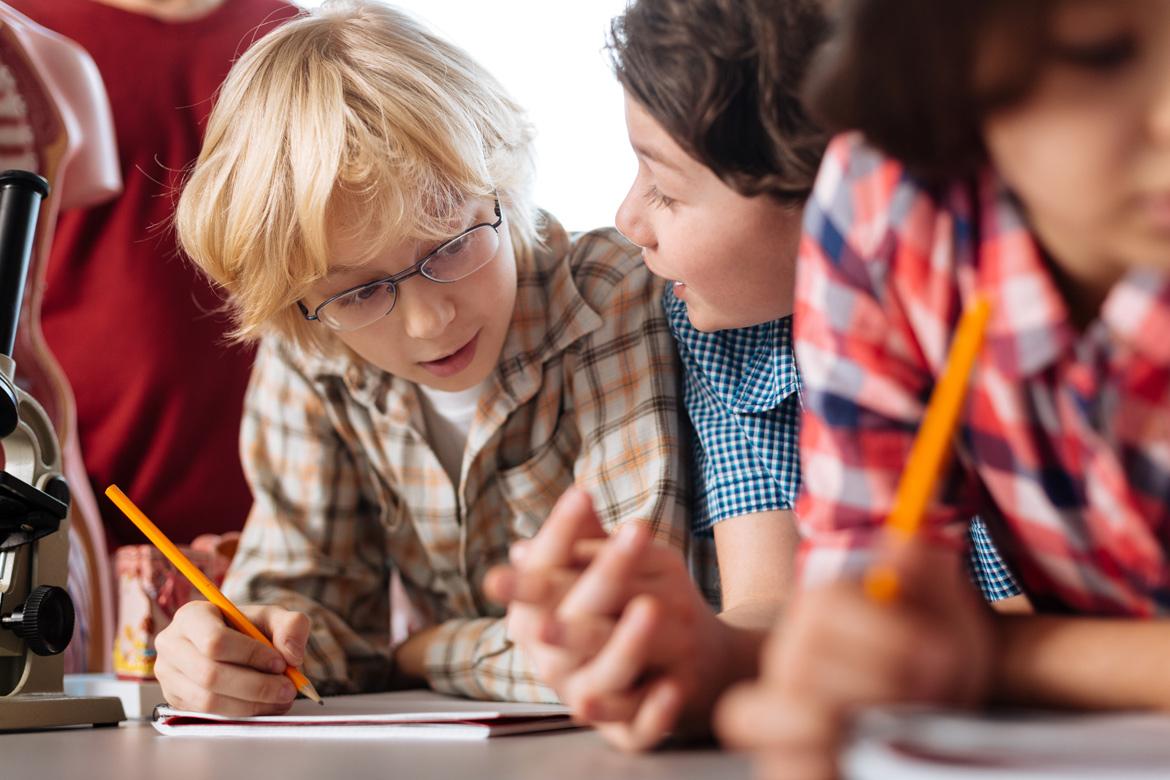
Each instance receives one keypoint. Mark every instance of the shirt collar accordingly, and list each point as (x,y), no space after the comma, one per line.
(1137,312)
(751,370)
(1031,326)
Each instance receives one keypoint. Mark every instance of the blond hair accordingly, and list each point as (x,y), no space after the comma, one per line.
(352,118)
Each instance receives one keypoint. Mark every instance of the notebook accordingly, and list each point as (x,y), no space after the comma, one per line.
(401,714)
(935,744)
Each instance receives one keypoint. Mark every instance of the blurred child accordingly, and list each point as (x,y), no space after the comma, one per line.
(438,363)
(1020,152)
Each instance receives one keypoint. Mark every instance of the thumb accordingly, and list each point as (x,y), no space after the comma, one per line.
(571,519)
(288,630)
(929,573)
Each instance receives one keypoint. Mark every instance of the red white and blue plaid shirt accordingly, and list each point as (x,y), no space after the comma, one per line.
(1064,448)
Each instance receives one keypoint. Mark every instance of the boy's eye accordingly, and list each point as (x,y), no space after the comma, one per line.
(1102,56)
(453,248)
(656,198)
(358,297)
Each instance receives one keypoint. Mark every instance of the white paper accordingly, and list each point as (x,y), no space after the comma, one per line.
(402,714)
(944,744)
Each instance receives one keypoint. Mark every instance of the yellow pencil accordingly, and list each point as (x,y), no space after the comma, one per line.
(203,584)
(932,445)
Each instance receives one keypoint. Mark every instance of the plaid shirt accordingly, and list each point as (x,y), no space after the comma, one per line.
(1064,450)
(347,489)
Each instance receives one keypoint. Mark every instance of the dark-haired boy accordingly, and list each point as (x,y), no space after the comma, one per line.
(727,158)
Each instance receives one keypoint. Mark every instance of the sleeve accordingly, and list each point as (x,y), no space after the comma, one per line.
(313,541)
(624,390)
(621,390)
(864,293)
(988,569)
(745,461)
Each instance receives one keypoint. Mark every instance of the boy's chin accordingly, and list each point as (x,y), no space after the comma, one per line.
(708,319)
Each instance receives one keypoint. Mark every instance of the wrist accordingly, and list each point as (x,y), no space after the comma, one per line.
(410,657)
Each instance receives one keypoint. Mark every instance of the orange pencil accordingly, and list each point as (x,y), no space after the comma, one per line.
(932,445)
(202,584)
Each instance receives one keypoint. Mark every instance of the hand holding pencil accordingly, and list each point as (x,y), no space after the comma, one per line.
(206,666)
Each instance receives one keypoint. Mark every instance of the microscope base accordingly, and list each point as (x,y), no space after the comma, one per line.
(28,711)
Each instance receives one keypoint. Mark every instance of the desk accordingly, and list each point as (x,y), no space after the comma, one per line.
(135,751)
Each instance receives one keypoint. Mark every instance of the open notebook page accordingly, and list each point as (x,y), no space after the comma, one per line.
(402,714)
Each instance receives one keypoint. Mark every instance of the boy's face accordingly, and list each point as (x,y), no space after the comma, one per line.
(1087,151)
(445,336)
(731,258)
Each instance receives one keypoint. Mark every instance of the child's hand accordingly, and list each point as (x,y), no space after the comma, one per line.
(626,643)
(207,666)
(838,651)
(535,585)
(667,658)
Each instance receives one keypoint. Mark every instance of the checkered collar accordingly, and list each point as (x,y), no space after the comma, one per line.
(751,369)
(1031,326)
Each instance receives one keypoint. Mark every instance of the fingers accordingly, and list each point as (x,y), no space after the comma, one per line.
(201,623)
(796,738)
(205,665)
(573,518)
(191,680)
(288,630)
(656,711)
(583,635)
(620,664)
(603,588)
(542,588)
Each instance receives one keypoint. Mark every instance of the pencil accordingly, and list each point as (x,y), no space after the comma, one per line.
(203,584)
(932,445)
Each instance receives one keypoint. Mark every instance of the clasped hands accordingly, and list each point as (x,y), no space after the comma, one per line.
(613,624)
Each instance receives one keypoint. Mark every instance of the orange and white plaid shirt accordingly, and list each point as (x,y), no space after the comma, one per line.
(348,490)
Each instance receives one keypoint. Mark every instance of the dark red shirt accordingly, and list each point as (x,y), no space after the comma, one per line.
(140,334)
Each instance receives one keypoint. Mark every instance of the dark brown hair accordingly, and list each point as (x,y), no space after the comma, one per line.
(906,74)
(723,78)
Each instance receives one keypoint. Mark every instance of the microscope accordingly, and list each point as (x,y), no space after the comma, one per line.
(36,612)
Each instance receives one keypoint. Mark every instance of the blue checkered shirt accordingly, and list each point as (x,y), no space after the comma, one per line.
(742,393)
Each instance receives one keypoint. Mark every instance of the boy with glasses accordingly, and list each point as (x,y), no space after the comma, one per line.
(438,363)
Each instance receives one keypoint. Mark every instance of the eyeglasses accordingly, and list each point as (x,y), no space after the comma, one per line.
(456,259)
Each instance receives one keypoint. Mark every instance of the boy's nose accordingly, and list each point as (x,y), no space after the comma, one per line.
(630,221)
(427,312)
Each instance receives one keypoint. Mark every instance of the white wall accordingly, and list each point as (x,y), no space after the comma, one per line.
(548,54)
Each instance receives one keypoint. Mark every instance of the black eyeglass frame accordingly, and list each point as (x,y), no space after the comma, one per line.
(415,270)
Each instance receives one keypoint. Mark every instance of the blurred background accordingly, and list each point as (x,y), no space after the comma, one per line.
(549,56)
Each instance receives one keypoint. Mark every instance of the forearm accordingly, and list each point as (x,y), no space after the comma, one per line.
(1082,663)
(748,626)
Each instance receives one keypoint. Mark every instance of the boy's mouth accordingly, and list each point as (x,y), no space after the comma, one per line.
(453,363)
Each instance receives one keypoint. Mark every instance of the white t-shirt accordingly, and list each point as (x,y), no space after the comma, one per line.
(448,417)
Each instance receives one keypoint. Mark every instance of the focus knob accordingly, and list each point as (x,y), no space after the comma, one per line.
(45,622)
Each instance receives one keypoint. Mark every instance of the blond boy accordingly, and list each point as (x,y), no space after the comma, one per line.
(438,362)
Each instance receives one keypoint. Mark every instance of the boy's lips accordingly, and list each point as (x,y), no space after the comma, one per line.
(453,362)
